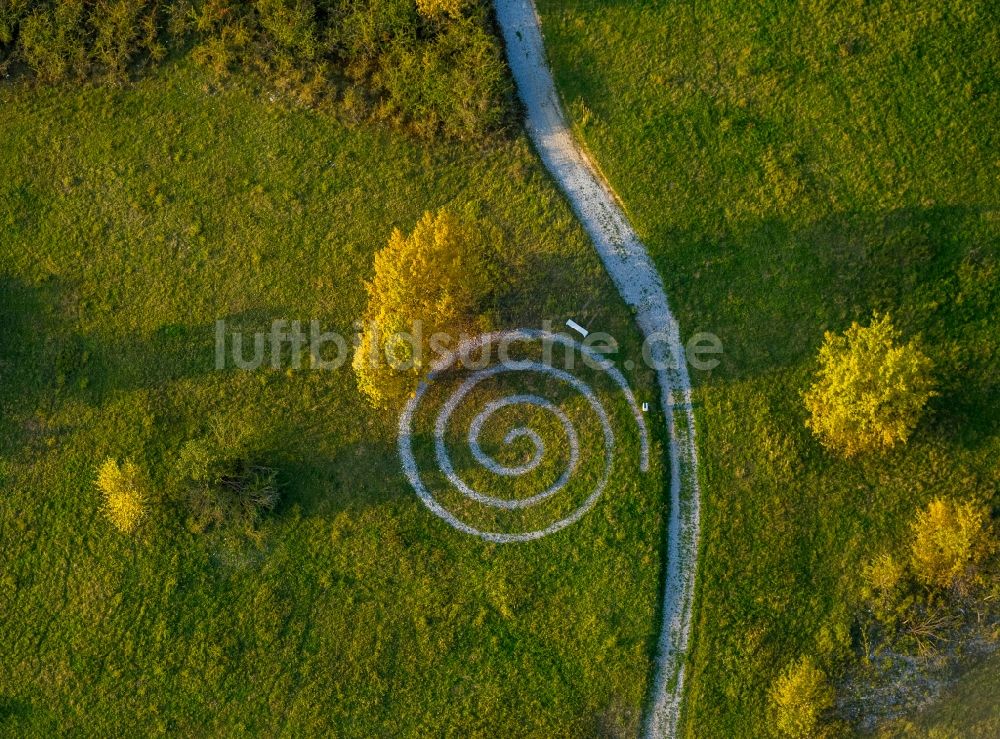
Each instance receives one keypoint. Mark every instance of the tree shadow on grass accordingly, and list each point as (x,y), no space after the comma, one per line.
(13,712)
(358,475)
(41,348)
(35,365)
(175,352)
(769,291)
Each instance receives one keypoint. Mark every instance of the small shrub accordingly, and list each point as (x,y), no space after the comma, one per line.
(124,494)
(950,541)
(224,487)
(440,279)
(886,581)
(291,25)
(870,391)
(117,28)
(437,8)
(11,12)
(799,697)
(884,573)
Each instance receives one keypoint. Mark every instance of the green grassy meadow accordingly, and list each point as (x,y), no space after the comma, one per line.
(131,219)
(794,167)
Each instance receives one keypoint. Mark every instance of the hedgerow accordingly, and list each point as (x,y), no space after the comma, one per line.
(436,68)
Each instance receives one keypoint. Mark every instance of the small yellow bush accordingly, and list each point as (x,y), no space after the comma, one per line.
(884,573)
(799,697)
(124,494)
(950,540)
(870,391)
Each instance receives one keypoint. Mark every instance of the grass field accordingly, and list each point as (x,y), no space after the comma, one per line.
(132,219)
(794,167)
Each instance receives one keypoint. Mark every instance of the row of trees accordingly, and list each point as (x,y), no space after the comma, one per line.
(434,66)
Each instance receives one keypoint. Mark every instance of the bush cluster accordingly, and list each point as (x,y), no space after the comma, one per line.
(948,570)
(217,480)
(434,66)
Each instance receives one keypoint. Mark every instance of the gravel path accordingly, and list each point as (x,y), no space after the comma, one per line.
(639,283)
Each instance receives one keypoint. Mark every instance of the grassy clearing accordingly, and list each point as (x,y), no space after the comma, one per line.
(132,220)
(793,168)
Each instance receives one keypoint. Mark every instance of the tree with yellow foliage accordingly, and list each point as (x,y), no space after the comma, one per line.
(951,539)
(123,489)
(430,288)
(870,390)
(799,697)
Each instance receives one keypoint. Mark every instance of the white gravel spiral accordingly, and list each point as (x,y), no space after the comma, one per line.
(443,458)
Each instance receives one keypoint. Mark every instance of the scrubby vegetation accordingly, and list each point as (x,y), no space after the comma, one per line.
(435,67)
(944,577)
(224,485)
(930,606)
(870,390)
(431,288)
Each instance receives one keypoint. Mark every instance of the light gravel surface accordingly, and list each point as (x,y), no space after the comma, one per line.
(506,338)
(639,283)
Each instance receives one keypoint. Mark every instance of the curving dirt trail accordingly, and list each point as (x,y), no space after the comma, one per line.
(639,283)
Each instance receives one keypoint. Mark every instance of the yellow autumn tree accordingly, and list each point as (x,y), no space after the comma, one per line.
(431,287)
(951,539)
(870,390)
(123,489)
(799,697)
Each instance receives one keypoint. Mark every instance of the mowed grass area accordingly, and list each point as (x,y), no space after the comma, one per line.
(794,167)
(132,219)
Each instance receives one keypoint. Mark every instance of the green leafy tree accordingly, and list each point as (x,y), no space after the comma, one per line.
(870,390)
(799,697)
(430,288)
